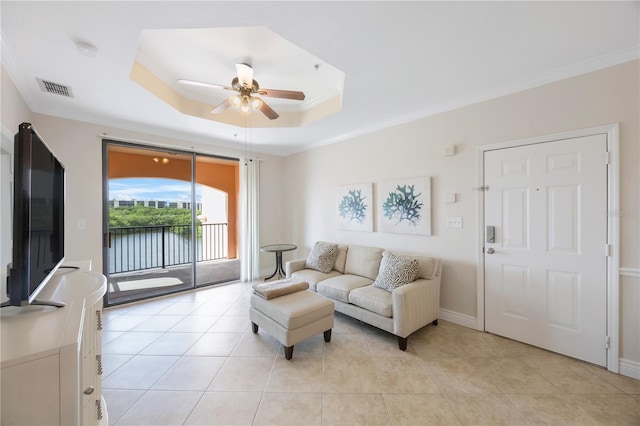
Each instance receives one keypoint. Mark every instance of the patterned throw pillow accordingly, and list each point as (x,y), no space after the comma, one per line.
(395,271)
(322,257)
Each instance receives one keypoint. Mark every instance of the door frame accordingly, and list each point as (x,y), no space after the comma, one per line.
(613,224)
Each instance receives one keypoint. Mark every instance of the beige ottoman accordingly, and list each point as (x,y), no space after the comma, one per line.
(292,318)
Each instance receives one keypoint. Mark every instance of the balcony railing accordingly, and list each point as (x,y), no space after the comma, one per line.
(147,247)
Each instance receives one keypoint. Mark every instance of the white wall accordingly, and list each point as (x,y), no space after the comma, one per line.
(214,205)
(6,207)
(12,106)
(416,149)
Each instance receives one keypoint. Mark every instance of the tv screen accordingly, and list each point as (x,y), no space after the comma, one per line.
(38,222)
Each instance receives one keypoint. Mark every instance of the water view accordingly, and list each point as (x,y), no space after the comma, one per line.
(146,247)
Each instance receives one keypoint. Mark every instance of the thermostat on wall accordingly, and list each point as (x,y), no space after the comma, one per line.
(450,150)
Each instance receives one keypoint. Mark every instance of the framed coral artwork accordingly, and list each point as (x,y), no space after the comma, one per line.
(355,207)
(405,206)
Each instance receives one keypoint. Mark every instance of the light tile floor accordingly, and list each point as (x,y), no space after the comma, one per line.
(192,359)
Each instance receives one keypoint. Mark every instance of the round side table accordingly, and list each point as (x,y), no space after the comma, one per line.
(278,249)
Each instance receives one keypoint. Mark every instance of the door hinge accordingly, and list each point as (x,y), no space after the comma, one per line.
(607,342)
(481,188)
(608,250)
(607,157)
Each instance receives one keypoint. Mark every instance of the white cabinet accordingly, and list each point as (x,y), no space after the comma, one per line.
(50,358)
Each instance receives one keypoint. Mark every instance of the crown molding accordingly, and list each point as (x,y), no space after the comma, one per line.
(584,67)
(10,63)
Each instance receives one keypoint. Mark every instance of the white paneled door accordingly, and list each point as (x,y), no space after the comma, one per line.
(546,271)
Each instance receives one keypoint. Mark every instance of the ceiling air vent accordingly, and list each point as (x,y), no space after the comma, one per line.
(55,88)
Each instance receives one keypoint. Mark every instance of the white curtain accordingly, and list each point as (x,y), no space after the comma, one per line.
(250,201)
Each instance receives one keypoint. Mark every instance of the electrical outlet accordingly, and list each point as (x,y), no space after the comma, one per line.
(454,222)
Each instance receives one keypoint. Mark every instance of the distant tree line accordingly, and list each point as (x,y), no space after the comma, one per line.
(123,217)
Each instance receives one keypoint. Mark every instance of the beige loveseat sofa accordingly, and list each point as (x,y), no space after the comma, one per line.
(349,284)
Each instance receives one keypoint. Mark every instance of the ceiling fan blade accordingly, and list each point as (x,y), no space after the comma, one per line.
(222,107)
(285,94)
(245,74)
(267,110)
(202,84)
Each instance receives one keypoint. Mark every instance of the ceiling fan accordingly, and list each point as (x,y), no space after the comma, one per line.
(247,87)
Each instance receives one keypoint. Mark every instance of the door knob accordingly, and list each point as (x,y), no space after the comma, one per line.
(490,250)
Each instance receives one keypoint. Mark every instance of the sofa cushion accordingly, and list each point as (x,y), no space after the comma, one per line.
(342,258)
(373,299)
(322,257)
(363,261)
(338,288)
(313,277)
(395,271)
(426,268)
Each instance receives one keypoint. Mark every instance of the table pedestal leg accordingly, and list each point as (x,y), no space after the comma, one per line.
(279,269)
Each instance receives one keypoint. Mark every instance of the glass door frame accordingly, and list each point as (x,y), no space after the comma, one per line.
(108,142)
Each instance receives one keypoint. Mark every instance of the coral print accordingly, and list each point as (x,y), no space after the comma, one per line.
(355,207)
(405,206)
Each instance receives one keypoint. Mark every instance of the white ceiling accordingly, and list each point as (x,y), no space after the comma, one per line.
(402,60)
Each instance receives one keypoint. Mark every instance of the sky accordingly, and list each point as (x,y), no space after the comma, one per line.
(152,189)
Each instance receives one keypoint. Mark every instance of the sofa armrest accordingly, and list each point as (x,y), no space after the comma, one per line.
(415,305)
(294,265)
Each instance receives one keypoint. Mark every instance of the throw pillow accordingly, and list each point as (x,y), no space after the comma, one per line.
(395,271)
(322,257)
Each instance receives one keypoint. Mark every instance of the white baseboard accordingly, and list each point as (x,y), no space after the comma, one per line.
(457,318)
(630,368)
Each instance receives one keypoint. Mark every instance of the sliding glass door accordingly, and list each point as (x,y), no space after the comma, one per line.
(170,221)
(217,187)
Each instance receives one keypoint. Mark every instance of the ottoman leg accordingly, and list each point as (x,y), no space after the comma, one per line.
(254,327)
(288,352)
(327,335)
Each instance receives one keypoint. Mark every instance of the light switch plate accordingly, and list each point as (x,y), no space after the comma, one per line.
(454,222)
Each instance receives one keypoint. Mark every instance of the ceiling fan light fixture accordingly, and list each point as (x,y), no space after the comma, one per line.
(256,103)
(244,106)
(246,87)
(236,101)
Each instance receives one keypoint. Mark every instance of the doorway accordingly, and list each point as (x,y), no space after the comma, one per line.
(548,258)
(170,221)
